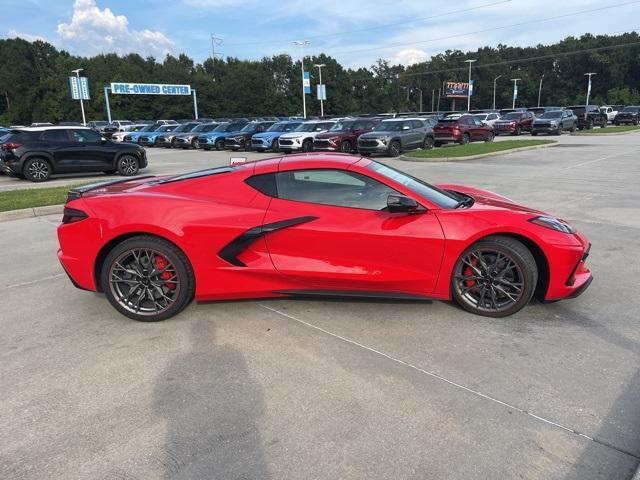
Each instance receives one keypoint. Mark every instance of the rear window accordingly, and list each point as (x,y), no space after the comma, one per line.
(631,109)
(512,116)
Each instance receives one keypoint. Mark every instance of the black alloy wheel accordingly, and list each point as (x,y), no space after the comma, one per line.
(220,144)
(307,145)
(37,170)
(275,146)
(128,165)
(394,148)
(147,279)
(428,143)
(518,131)
(345,147)
(494,277)
(195,143)
(465,139)
(490,137)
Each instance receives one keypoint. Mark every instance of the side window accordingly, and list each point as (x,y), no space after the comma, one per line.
(55,136)
(493,116)
(417,124)
(85,136)
(333,187)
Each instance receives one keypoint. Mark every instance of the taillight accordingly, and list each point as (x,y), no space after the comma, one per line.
(12,145)
(72,215)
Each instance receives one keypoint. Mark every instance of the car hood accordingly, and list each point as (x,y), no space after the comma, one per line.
(326,135)
(483,199)
(268,134)
(296,134)
(379,134)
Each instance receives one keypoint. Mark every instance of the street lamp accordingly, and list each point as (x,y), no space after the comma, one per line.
(589,85)
(420,90)
(302,43)
(319,66)
(469,89)
(77,72)
(540,89)
(515,91)
(494,90)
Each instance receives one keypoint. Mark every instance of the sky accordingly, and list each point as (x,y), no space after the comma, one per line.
(355,32)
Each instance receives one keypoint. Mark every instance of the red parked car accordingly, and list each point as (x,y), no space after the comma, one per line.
(462,130)
(343,136)
(313,224)
(514,123)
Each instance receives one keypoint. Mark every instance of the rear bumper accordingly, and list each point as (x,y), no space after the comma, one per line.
(443,138)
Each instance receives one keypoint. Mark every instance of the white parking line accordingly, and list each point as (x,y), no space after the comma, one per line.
(32,282)
(599,159)
(451,382)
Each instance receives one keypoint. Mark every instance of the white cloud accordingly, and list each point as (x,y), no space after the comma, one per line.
(409,56)
(93,30)
(25,36)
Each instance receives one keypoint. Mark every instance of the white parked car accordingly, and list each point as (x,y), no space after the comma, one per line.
(610,110)
(301,139)
(488,118)
(122,124)
(134,127)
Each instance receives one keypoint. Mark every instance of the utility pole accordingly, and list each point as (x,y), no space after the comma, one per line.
(433,98)
(302,43)
(589,85)
(439,90)
(77,72)
(420,90)
(215,42)
(494,90)
(515,91)
(540,89)
(469,89)
(319,66)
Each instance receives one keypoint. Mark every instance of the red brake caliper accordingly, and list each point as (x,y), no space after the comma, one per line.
(468,272)
(161,263)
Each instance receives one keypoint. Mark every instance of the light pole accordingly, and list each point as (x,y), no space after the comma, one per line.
(589,85)
(77,72)
(302,43)
(515,91)
(319,66)
(469,89)
(420,90)
(540,89)
(494,90)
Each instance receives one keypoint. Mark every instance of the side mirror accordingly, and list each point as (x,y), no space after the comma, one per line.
(400,203)
(103,140)
(406,127)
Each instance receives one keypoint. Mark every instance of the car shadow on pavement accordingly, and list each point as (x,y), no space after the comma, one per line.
(615,450)
(212,409)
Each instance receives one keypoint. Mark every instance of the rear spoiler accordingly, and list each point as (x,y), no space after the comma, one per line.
(77,192)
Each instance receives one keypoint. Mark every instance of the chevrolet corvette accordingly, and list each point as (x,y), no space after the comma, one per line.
(328,225)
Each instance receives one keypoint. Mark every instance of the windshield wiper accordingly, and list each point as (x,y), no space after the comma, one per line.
(465,202)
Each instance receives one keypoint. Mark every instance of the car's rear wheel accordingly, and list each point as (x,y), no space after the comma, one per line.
(428,143)
(37,170)
(465,139)
(346,147)
(147,279)
(394,148)
(128,165)
(494,277)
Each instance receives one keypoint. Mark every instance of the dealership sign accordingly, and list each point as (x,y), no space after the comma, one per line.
(150,89)
(457,89)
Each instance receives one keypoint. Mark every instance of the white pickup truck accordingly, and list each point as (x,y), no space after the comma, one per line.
(610,110)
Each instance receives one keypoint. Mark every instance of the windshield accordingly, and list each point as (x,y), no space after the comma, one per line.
(631,109)
(512,116)
(232,127)
(185,127)
(439,197)
(150,128)
(554,114)
(101,124)
(482,116)
(204,127)
(167,128)
(222,127)
(306,127)
(389,126)
(250,127)
(125,122)
(342,126)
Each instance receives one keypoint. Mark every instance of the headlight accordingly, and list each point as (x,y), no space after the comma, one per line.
(553,224)
(554,123)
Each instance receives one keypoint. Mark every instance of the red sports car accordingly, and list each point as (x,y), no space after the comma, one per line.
(313,225)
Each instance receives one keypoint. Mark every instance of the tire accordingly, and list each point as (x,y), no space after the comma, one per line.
(428,143)
(518,131)
(437,144)
(558,131)
(220,144)
(465,139)
(260,150)
(128,165)
(394,149)
(474,277)
(635,122)
(616,123)
(346,147)
(490,137)
(590,125)
(287,152)
(275,146)
(366,154)
(604,124)
(533,134)
(141,254)
(195,144)
(307,146)
(37,170)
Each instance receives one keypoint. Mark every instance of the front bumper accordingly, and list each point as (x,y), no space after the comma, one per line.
(568,274)
(290,144)
(372,145)
(233,143)
(504,128)
(544,128)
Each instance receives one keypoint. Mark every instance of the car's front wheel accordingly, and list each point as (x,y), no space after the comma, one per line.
(147,279)
(394,148)
(345,147)
(490,137)
(195,144)
(128,165)
(494,277)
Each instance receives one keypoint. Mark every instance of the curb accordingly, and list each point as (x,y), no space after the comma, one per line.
(583,134)
(30,212)
(473,157)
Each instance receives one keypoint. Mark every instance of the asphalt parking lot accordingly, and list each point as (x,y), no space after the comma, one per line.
(329,389)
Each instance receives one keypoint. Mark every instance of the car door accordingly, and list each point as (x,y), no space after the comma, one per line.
(87,151)
(56,143)
(342,237)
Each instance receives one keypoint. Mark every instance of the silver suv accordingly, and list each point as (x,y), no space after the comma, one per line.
(394,136)
(555,122)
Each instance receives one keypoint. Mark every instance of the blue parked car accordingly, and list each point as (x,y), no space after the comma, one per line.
(149,138)
(133,136)
(269,140)
(215,138)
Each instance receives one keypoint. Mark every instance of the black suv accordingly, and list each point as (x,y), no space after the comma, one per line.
(629,114)
(37,153)
(242,139)
(589,116)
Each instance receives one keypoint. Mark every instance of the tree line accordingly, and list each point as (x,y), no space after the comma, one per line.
(34,84)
